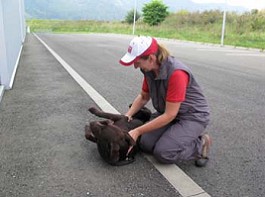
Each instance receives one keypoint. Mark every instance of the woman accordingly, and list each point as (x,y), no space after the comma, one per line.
(175,131)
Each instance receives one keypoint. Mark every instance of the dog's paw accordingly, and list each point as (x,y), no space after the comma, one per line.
(92,110)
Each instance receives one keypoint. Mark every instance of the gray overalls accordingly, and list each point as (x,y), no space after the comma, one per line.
(179,140)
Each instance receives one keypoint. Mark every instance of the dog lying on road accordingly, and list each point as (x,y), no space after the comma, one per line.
(111,135)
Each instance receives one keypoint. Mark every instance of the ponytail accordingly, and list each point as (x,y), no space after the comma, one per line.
(162,54)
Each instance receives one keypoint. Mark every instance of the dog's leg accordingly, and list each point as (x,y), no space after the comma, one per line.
(99,113)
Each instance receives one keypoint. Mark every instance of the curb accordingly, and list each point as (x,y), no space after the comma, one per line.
(2,90)
(194,42)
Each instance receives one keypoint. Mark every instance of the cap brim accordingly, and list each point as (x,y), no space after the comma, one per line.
(127,59)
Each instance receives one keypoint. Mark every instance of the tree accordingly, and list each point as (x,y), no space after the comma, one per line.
(130,16)
(155,12)
(257,20)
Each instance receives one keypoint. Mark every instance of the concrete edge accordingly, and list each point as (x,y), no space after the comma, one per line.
(176,177)
(2,90)
(15,69)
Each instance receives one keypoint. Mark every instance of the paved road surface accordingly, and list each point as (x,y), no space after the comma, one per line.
(233,81)
(43,151)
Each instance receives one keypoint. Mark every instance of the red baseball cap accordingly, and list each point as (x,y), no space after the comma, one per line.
(139,46)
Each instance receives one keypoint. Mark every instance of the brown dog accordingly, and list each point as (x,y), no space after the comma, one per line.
(111,135)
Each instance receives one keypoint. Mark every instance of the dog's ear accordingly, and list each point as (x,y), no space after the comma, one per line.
(96,128)
(105,123)
(89,135)
(114,152)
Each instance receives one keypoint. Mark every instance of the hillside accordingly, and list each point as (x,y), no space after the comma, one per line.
(104,10)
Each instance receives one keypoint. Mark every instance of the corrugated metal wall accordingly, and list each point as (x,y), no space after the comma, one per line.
(12,35)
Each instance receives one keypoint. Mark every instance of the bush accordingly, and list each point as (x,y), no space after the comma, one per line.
(258,20)
(155,12)
(130,16)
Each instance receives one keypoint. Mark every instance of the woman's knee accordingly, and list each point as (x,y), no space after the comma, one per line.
(145,145)
(165,155)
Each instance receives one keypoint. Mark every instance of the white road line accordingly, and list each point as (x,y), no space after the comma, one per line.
(181,182)
(102,103)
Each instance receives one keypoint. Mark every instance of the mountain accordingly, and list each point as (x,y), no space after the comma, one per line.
(106,10)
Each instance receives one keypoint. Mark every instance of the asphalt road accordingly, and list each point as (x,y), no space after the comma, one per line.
(233,81)
(43,151)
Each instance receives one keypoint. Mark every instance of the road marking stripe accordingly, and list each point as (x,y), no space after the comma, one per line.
(181,182)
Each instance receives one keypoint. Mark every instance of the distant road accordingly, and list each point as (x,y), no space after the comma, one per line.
(233,81)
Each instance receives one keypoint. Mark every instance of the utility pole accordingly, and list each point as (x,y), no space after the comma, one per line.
(223,27)
(134,16)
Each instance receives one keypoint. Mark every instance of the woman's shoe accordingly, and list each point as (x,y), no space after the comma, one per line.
(206,143)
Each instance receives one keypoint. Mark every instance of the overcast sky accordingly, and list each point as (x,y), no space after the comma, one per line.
(252,4)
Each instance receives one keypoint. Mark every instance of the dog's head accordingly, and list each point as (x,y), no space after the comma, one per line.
(113,143)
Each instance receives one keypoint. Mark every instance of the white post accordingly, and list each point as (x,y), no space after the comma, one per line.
(223,27)
(22,20)
(134,16)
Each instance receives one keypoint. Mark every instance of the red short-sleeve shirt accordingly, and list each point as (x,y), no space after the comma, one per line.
(177,85)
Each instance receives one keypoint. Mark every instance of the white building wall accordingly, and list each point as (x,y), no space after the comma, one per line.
(12,35)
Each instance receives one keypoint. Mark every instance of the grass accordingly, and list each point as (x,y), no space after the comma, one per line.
(207,33)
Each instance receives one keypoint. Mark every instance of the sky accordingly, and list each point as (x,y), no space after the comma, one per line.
(252,4)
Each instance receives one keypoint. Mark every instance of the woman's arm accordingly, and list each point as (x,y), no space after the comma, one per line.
(138,103)
(160,121)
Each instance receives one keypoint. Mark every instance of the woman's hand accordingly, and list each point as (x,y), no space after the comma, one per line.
(129,118)
(134,134)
